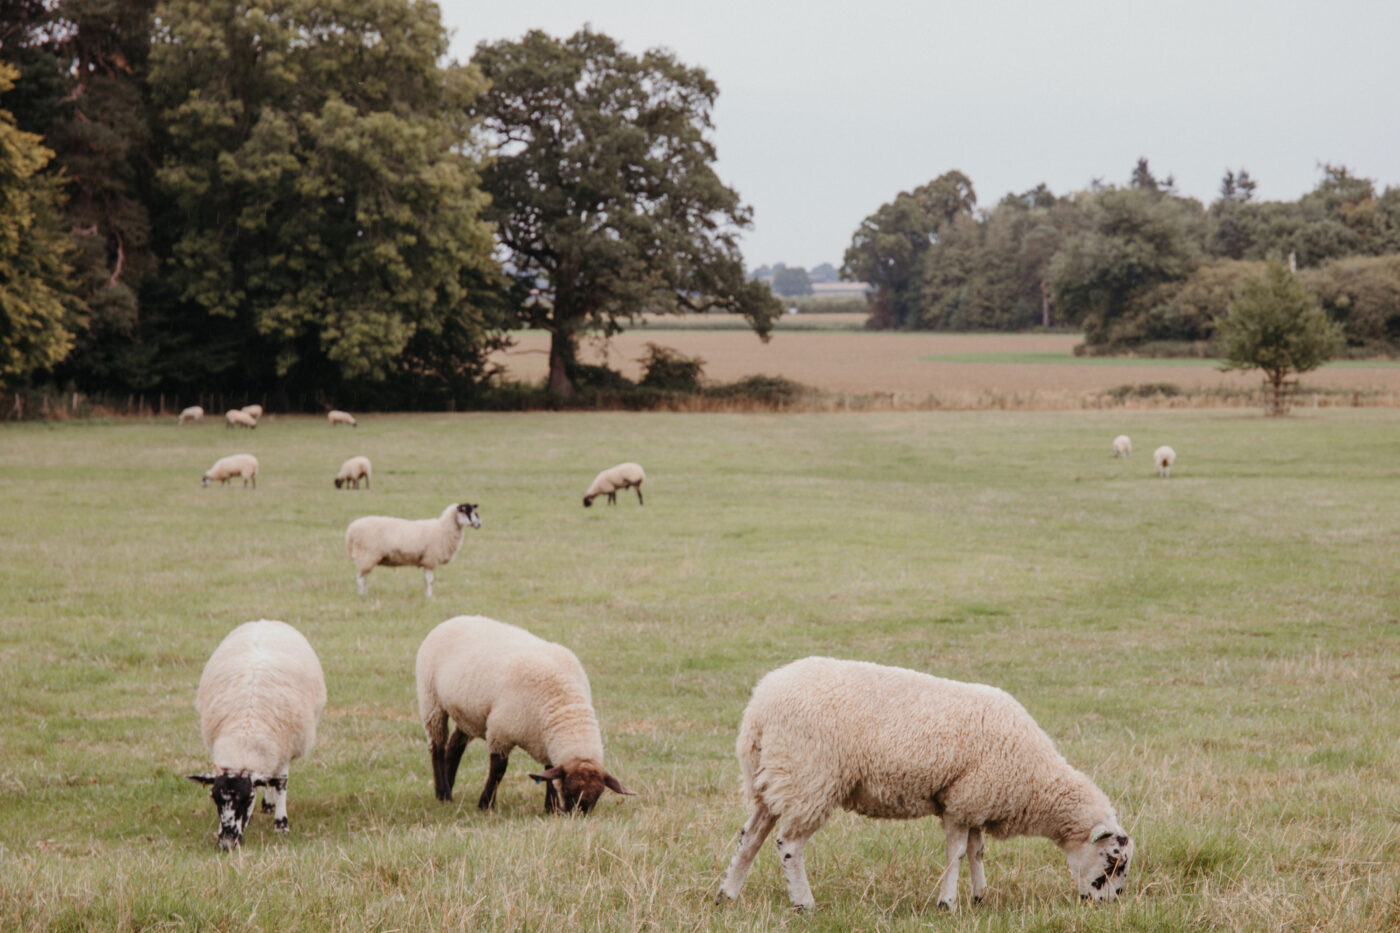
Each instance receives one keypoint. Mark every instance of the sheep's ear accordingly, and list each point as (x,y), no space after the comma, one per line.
(614,785)
(555,773)
(202,778)
(1101,832)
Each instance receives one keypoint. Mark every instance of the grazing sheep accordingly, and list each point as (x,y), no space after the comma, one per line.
(193,413)
(241,418)
(352,471)
(888,742)
(260,697)
(226,468)
(500,683)
(612,479)
(1122,446)
(341,417)
(1164,457)
(400,542)
(255,410)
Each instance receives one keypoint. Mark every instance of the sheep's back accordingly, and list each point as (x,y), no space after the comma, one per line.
(397,541)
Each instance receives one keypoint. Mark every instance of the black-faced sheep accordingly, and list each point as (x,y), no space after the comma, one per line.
(429,543)
(260,698)
(352,471)
(501,683)
(613,479)
(894,743)
(341,417)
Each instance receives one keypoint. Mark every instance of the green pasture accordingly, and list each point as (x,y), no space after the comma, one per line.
(1068,359)
(1220,651)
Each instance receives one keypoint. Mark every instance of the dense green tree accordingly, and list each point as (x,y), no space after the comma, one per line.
(790,281)
(604,190)
(825,272)
(1137,240)
(1276,325)
(1362,294)
(35,322)
(318,186)
(887,249)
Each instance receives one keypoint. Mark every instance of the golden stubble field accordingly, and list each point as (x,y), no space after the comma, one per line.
(859,362)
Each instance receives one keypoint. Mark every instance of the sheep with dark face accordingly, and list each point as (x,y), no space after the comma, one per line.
(379,540)
(608,482)
(352,471)
(898,744)
(500,683)
(259,701)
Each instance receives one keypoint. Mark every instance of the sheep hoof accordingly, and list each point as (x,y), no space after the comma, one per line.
(281,825)
(946,905)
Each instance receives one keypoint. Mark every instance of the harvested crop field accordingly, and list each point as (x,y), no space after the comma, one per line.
(943,365)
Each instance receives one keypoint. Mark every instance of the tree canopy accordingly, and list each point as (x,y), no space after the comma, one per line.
(604,192)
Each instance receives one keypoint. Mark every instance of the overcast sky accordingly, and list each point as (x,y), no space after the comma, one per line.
(827,110)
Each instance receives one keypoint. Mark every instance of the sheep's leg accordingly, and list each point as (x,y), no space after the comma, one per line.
(279,821)
(639,494)
(452,758)
(435,724)
(612,497)
(269,798)
(427,583)
(974,862)
(957,848)
(751,837)
(494,772)
(361,584)
(551,798)
(794,871)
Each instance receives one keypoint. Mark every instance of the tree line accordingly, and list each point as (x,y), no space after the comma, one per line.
(306,201)
(1138,267)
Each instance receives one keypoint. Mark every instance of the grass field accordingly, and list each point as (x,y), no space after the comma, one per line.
(958,370)
(1220,651)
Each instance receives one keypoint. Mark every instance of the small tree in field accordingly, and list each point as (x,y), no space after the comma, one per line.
(1277,325)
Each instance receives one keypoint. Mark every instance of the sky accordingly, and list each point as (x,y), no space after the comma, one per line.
(827,110)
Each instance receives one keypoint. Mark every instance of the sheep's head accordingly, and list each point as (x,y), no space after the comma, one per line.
(205,481)
(587,502)
(339,481)
(1099,863)
(466,515)
(232,793)
(581,783)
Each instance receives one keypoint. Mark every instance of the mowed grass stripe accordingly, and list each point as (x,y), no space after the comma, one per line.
(1218,651)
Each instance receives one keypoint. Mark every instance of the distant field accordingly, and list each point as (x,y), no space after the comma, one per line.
(957,367)
(1219,651)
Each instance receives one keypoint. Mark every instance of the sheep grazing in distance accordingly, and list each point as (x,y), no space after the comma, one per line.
(1122,446)
(226,468)
(400,542)
(341,417)
(256,411)
(612,479)
(898,744)
(502,684)
(352,471)
(259,700)
(242,419)
(1164,457)
(193,413)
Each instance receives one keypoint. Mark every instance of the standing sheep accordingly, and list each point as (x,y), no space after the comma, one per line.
(226,468)
(341,417)
(255,411)
(501,683)
(260,698)
(1122,446)
(242,419)
(894,743)
(352,471)
(400,542)
(193,413)
(612,479)
(1164,457)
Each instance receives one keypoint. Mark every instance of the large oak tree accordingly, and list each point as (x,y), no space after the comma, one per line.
(604,191)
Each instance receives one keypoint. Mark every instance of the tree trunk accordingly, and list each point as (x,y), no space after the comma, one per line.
(561,358)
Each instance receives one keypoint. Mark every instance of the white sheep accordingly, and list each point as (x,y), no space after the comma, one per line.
(193,413)
(256,411)
(240,418)
(1122,446)
(1164,457)
(502,684)
(400,542)
(260,697)
(341,417)
(352,471)
(226,468)
(612,479)
(894,743)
